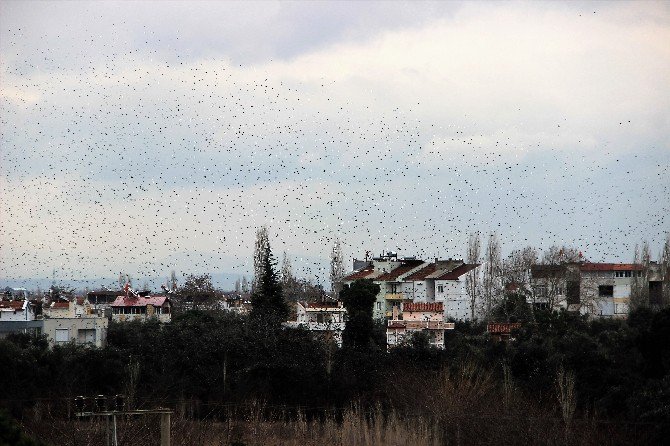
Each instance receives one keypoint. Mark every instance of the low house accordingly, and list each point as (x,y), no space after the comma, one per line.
(418,317)
(502,331)
(18,316)
(134,307)
(17,310)
(326,319)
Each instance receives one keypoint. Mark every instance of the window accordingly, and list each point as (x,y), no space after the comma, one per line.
(627,273)
(573,292)
(655,292)
(605,291)
(62,335)
(541,291)
(379,306)
(440,288)
(319,318)
(620,308)
(86,336)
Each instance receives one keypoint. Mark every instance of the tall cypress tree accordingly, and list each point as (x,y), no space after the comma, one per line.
(267,300)
(359,298)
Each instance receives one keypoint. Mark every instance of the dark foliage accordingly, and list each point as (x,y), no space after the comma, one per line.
(268,305)
(359,298)
(211,359)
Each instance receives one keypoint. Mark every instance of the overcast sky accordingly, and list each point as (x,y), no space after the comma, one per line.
(149,136)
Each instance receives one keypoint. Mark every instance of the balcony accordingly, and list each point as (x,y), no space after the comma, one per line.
(394,296)
(316,326)
(422,325)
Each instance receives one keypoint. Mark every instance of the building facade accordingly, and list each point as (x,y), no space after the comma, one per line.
(596,289)
(413,317)
(412,280)
(141,308)
(325,319)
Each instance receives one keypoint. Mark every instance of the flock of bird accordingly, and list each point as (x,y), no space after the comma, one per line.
(145,166)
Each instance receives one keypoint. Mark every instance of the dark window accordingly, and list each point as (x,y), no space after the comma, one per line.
(572,292)
(605,290)
(655,292)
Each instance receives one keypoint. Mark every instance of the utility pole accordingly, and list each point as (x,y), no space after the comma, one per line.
(99,409)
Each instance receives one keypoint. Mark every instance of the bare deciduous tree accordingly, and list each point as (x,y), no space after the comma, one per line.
(491,281)
(517,268)
(261,248)
(664,263)
(472,280)
(639,293)
(286,269)
(336,266)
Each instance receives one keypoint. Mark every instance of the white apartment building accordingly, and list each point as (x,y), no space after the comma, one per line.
(597,289)
(413,280)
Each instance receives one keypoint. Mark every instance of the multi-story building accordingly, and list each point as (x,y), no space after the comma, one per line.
(413,280)
(597,289)
(413,317)
(74,321)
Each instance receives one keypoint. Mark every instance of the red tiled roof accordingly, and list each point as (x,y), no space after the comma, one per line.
(457,272)
(60,305)
(406,267)
(360,274)
(423,306)
(16,305)
(502,327)
(610,267)
(156,301)
(422,273)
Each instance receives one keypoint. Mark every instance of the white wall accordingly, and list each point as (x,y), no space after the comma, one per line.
(455,298)
(73,325)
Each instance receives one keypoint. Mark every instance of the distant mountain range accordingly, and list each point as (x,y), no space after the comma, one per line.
(223,281)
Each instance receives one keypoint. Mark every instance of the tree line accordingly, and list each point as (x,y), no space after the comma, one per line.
(563,376)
